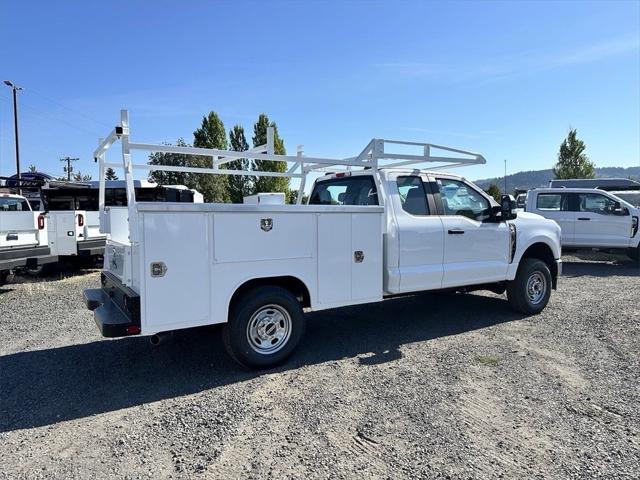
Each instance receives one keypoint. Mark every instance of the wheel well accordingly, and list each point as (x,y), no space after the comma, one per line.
(543,252)
(293,284)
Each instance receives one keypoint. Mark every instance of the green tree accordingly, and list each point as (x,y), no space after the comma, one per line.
(269,184)
(175,160)
(32,168)
(110,174)
(572,161)
(79,177)
(211,134)
(239,185)
(292,197)
(494,191)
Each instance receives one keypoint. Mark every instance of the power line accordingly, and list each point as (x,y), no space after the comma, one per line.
(78,112)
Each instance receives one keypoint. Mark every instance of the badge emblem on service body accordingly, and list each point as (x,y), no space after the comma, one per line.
(266,224)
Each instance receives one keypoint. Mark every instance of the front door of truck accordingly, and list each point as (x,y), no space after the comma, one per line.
(598,224)
(475,251)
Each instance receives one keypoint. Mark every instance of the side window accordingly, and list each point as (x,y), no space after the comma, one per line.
(412,195)
(596,203)
(552,202)
(458,198)
(358,190)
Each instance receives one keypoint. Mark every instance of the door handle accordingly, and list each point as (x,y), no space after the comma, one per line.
(583,218)
(456,231)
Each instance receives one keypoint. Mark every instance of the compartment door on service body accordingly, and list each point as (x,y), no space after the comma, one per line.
(420,234)
(597,223)
(475,251)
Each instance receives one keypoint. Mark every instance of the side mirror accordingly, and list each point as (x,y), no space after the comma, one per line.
(507,207)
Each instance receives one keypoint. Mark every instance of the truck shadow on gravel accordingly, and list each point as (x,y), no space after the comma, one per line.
(599,269)
(47,386)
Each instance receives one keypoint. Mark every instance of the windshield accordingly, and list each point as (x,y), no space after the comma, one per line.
(13,204)
(630,197)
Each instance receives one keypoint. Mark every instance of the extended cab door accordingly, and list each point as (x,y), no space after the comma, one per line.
(475,250)
(420,234)
(555,206)
(598,224)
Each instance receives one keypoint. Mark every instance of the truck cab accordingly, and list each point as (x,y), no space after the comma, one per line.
(441,231)
(589,218)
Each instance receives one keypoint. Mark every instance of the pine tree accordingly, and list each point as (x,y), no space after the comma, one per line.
(572,161)
(239,185)
(269,184)
(110,174)
(494,191)
(32,168)
(211,134)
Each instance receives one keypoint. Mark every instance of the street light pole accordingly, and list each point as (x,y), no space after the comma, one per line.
(15,89)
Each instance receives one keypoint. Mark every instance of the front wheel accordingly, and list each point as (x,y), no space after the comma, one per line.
(264,327)
(529,292)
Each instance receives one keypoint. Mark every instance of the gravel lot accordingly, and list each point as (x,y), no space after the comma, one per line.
(451,386)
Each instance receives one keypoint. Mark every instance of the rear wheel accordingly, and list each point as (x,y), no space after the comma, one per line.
(264,327)
(634,253)
(529,292)
(3,276)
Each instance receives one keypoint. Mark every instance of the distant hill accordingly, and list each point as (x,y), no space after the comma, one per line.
(540,178)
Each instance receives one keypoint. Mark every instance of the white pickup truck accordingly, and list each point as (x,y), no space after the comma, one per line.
(23,235)
(589,218)
(365,235)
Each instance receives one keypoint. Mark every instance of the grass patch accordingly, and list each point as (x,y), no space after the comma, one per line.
(488,360)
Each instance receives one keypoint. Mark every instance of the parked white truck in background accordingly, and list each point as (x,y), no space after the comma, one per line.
(366,234)
(23,235)
(589,218)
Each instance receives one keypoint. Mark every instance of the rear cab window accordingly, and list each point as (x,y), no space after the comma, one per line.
(552,202)
(12,204)
(351,190)
(413,196)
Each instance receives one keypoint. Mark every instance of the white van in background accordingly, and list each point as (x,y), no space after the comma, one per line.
(589,218)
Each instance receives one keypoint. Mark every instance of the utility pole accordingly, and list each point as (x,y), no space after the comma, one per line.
(15,89)
(505,176)
(69,168)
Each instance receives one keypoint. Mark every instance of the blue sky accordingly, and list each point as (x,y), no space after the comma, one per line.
(507,79)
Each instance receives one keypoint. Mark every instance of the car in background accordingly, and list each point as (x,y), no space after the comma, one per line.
(589,218)
(629,196)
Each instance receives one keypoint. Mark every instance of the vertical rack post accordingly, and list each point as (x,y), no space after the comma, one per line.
(102,186)
(128,175)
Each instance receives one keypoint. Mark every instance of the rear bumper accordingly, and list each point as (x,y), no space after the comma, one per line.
(22,257)
(116,308)
(91,247)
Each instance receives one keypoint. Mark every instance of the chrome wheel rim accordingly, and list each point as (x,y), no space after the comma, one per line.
(269,329)
(536,287)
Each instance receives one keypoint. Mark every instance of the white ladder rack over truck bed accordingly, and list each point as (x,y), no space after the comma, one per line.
(374,155)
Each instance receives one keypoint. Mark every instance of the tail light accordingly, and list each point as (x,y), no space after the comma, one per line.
(41,222)
(80,220)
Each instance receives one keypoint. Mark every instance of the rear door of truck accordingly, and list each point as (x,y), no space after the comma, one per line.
(555,206)
(420,233)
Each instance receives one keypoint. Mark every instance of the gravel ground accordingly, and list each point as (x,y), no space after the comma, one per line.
(430,386)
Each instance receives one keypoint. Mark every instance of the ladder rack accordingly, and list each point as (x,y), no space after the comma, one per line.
(375,154)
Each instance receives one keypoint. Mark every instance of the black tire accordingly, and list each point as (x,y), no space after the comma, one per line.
(3,276)
(256,320)
(529,292)
(634,253)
